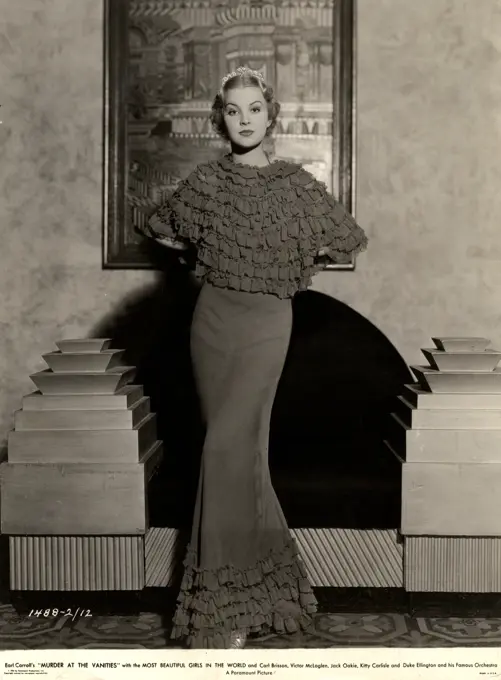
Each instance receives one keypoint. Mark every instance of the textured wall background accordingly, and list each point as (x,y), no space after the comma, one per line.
(429,178)
(429,171)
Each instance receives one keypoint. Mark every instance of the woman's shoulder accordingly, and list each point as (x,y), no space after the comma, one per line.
(291,173)
(199,180)
(302,177)
(202,171)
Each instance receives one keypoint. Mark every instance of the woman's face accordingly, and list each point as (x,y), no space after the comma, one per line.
(246,116)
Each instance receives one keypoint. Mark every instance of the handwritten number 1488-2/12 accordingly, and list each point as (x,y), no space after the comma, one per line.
(70,613)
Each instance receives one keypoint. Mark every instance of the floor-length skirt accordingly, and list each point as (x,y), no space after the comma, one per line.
(242,570)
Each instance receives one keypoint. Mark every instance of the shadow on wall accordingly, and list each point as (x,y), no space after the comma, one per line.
(331,417)
(154,330)
(329,465)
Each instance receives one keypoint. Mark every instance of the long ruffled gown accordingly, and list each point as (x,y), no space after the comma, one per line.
(257,231)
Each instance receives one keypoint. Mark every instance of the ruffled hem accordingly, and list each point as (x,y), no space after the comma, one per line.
(263,224)
(272,595)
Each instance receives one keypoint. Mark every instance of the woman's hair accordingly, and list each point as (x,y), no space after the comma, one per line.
(243,80)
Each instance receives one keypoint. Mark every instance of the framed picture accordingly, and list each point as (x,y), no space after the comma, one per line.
(164,64)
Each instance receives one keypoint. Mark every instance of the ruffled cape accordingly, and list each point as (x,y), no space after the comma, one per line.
(257,229)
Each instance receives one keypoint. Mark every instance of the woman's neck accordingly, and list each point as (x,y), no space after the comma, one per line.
(256,157)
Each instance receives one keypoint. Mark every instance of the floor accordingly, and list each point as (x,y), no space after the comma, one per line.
(21,629)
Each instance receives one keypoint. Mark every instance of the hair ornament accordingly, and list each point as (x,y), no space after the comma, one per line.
(241,71)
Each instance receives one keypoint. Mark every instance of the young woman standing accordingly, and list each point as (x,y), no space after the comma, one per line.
(258,228)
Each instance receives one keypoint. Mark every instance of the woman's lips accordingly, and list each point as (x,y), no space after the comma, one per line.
(247,133)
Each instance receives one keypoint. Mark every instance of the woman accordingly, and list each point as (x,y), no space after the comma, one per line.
(258,227)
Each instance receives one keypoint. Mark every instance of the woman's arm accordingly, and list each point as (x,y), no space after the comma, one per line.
(155,229)
(329,229)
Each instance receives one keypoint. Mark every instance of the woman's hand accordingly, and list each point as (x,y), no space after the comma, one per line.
(171,243)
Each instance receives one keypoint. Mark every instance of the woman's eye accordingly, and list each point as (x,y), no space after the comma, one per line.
(229,113)
(256,109)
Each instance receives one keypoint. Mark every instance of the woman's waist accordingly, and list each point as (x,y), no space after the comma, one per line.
(223,305)
(223,315)
(241,299)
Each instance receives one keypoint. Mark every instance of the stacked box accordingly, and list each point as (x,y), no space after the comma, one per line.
(446,431)
(74,486)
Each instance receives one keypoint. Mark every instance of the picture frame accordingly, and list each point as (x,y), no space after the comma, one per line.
(163,63)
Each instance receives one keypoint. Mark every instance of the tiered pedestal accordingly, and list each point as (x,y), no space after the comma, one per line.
(447,434)
(74,487)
